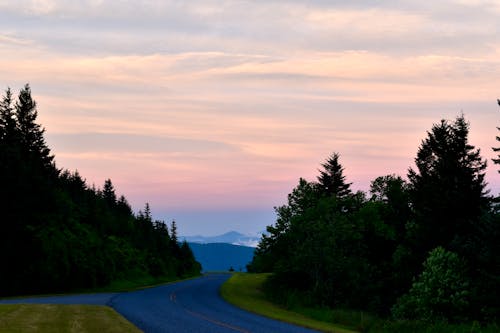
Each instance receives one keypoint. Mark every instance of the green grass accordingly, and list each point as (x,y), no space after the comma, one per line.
(62,318)
(74,318)
(244,291)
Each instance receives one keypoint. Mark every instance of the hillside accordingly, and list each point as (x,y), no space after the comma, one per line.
(222,256)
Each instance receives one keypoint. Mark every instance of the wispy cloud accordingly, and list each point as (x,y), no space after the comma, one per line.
(225,102)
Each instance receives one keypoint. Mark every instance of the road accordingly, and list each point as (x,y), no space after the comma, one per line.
(191,306)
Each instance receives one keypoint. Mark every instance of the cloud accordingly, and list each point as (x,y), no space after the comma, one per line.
(230,102)
(123,142)
(12,40)
(271,27)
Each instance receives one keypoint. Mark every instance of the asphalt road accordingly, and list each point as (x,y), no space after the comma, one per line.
(191,306)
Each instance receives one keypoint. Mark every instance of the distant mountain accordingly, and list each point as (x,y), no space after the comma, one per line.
(222,256)
(231,237)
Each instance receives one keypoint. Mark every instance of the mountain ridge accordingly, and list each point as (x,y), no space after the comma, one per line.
(230,237)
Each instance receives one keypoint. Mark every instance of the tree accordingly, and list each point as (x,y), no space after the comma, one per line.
(53,223)
(188,264)
(31,133)
(108,193)
(393,192)
(9,153)
(274,244)
(7,118)
(332,180)
(173,232)
(447,191)
(28,176)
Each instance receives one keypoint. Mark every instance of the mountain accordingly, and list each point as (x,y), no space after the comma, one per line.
(231,237)
(222,256)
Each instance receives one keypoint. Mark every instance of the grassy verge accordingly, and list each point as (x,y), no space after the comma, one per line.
(74,318)
(243,290)
(62,318)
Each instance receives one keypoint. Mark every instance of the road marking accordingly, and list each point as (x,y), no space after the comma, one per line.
(216,322)
(173,298)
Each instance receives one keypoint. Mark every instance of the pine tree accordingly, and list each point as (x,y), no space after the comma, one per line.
(147,213)
(332,180)
(9,141)
(31,133)
(447,190)
(27,178)
(7,118)
(9,156)
(173,232)
(108,193)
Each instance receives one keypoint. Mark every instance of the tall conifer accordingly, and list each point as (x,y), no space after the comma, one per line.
(332,180)
(31,133)
(447,188)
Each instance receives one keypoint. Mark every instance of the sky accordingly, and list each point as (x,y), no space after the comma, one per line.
(211,111)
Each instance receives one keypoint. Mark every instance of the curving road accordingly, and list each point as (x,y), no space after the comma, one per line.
(191,306)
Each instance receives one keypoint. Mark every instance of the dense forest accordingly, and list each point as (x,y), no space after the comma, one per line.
(424,248)
(60,234)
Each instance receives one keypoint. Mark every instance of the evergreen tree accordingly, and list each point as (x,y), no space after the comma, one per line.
(447,189)
(147,213)
(28,176)
(9,190)
(108,193)
(31,133)
(9,154)
(7,118)
(124,206)
(9,144)
(332,180)
(173,232)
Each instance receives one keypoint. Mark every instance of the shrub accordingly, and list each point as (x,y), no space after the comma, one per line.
(440,293)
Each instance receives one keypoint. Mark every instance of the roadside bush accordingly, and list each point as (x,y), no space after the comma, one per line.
(441,292)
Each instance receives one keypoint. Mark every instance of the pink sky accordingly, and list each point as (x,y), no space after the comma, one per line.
(211,111)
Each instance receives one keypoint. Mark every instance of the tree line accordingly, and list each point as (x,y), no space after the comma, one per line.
(426,248)
(59,234)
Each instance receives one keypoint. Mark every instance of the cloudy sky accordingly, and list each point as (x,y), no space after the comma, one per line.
(212,110)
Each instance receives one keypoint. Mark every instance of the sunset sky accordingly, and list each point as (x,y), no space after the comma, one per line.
(211,111)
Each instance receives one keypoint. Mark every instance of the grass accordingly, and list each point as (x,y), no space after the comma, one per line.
(244,291)
(62,318)
(74,318)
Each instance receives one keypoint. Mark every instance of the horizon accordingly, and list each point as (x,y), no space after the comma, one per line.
(212,112)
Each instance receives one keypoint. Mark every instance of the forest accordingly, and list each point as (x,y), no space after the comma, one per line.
(425,248)
(59,234)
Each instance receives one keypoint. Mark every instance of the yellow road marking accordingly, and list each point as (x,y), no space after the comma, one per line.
(216,322)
